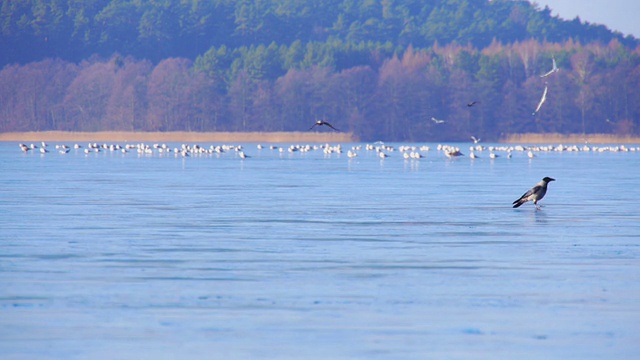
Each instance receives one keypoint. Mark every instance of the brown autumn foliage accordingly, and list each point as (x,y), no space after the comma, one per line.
(595,91)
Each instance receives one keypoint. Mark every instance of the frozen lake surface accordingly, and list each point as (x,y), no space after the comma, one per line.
(308,255)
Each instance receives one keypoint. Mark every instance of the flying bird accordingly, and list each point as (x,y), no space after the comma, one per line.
(542,100)
(534,194)
(475,140)
(437,121)
(554,69)
(322,122)
(472,103)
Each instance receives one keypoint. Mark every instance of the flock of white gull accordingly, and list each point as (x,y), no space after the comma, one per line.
(382,150)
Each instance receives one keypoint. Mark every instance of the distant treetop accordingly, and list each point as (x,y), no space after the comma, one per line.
(75,30)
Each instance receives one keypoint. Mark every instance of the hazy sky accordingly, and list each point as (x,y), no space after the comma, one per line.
(620,15)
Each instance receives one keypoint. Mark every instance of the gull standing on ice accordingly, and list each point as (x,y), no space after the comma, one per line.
(534,194)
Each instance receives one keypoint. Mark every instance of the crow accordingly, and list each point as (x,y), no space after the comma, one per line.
(534,194)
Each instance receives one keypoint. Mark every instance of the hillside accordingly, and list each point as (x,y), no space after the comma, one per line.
(155,30)
(378,69)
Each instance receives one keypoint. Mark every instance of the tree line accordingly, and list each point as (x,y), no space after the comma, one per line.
(378,93)
(32,30)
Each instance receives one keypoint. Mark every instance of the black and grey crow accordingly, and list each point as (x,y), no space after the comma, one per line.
(534,194)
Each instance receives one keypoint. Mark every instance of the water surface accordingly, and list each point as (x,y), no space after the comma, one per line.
(308,255)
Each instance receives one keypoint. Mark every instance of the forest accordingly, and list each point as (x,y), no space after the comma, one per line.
(383,70)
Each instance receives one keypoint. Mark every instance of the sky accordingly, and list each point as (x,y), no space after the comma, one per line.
(617,15)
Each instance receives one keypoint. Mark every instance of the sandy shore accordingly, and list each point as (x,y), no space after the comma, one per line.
(280,137)
(178,136)
(570,139)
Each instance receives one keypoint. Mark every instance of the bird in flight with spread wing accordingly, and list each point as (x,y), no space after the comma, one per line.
(542,100)
(554,69)
(321,123)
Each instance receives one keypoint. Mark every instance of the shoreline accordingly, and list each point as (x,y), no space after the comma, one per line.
(533,138)
(177,136)
(281,137)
